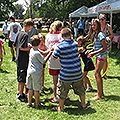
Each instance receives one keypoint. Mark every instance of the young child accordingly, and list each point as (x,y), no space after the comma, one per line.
(70,72)
(88,63)
(43,48)
(22,58)
(100,50)
(34,72)
(1,55)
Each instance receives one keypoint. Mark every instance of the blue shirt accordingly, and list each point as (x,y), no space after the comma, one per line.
(67,51)
(98,45)
(81,24)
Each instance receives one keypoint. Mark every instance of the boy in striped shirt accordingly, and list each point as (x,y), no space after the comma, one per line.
(70,72)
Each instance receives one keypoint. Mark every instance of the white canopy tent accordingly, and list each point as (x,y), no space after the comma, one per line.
(78,12)
(110,6)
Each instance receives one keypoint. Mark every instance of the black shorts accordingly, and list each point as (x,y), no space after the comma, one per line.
(21,75)
(10,43)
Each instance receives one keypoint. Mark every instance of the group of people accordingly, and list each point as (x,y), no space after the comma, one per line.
(64,63)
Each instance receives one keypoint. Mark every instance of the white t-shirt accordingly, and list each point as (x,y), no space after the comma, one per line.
(14,29)
(5,28)
(52,39)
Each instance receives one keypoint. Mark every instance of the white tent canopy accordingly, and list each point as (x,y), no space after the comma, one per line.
(79,11)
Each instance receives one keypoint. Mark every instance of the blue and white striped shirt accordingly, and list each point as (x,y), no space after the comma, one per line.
(67,51)
(98,45)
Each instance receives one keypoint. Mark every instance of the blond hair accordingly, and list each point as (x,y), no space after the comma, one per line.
(54,27)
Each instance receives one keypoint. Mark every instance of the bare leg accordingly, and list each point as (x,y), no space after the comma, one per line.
(43,77)
(82,98)
(55,81)
(99,81)
(1,62)
(37,97)
(30,95)
(87,81)
(21,88)
(12,51)
(105,68)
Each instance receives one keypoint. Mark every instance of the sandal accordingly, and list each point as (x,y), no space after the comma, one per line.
(89,89)
(56,109)
(84,107)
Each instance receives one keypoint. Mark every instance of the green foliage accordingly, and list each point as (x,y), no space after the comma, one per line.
(106,109)
(5,7)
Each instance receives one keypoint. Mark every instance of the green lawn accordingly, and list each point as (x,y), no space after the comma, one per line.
(108,108)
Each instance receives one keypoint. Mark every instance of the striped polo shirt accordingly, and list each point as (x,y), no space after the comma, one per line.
(98,45)
(67,52)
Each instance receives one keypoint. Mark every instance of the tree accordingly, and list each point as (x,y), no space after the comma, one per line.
(18,13)
(5,7)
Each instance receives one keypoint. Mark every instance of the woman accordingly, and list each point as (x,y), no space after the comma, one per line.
(107,30)
(100,50)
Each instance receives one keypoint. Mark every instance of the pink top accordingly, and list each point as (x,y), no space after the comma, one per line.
(1,44)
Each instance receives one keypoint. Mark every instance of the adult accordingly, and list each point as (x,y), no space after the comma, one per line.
(80,25)
(13,30)
(5,32)
(87,26)
(107,30)
(75,28)
(100,50)
(33,31)
(52,38)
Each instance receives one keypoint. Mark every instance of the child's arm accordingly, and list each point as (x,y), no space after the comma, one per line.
(100,50)
(25,49)
(46,59)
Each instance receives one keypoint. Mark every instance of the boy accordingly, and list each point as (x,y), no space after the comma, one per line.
(22,58)
(34,72)
(70,73)
(13,30)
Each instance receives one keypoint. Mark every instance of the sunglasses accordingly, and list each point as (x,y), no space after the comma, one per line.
(101,19)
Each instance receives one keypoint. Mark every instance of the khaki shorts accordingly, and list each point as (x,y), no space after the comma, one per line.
(34,82)
(63,88)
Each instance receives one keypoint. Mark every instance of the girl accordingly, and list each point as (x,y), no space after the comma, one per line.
(107,30)
(42,47)
(100,50)
(87,62)
(1,56)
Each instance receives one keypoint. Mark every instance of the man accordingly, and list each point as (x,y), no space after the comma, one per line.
(13,30)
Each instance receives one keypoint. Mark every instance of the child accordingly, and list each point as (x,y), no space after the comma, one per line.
(34,72)
(87,62)
(42,47)
(52,38)
(70,72)
(22,58)
(100,50)
(1,55)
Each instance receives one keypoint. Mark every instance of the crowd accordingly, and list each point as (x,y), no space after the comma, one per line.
(33,50)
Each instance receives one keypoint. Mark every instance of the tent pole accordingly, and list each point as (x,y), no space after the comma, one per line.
(111,18)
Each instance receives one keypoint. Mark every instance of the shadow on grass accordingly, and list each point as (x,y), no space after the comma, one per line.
(114,77)
(112,97)
(75,108)
(4,71)
(46,91)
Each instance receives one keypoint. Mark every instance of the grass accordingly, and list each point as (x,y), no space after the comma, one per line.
(106,109)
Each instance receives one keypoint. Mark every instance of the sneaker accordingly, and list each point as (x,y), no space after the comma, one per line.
(29,105)
(21,98)
(54,100)
(89,89)
(67,98)
(13,59)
